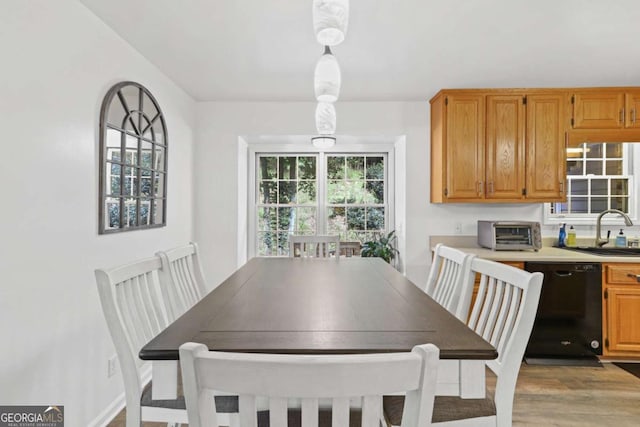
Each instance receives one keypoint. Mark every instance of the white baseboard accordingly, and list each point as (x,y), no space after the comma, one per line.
(110,412)
(118,404)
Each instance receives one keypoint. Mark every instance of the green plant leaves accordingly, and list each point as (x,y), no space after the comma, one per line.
(381,247)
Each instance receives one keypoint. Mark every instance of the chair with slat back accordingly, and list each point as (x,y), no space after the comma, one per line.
(503,314)
(335,379)
(135,313)
(449,276)
(133,308)
(314,246)
(350,249)
(182,280)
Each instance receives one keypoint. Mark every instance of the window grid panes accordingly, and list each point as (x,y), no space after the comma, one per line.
(133,160)
(318,193)
(596,181)
(286,200)
(356,202)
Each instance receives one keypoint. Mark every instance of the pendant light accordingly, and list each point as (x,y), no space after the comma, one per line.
(323,142)
(325,118)
(330,19)
(327,77)
(330,24)
(325,125)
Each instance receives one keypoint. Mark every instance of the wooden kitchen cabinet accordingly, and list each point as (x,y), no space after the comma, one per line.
(457,122)
(632,107)
(546,165)
(505,147)
(621,309)
(498,145)
(606,109)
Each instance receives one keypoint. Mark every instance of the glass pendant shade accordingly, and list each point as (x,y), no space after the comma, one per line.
(327,78)
(323,141)
(330,19)
(325,118)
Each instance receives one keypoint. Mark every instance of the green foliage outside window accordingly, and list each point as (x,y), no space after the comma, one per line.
(287,198)
(355,196)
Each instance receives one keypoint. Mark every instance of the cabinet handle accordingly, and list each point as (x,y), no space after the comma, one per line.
(637,276)
(633,116)
(491,187)
(479,187)
(622,116)
(561,187)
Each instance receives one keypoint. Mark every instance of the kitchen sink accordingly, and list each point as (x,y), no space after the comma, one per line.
(611,251)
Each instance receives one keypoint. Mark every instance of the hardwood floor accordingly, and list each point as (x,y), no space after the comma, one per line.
(576,396)
(562,396)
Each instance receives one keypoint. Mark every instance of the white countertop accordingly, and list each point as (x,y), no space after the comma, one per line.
(546,254)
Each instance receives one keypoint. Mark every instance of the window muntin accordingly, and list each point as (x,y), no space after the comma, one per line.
(597,179)
(292,196)
(133,160)
(286,200)
(356,196)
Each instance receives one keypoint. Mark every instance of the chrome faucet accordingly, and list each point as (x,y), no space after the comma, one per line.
(599,240)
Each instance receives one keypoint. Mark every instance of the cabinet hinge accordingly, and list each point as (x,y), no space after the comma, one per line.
(524,191)
(606,293)
(573,99)
(446,101)
(524,100)
(446,192)
(606,342)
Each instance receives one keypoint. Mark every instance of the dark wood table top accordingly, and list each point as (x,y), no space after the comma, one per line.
(318,306)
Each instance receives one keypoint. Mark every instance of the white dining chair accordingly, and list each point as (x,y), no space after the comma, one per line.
(314,246)
(350,249)
(135,313)
(315,380)
(503,314)
(449,276)
(182,279)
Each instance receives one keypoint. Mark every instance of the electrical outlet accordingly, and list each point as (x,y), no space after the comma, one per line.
(458,229)
(112,366)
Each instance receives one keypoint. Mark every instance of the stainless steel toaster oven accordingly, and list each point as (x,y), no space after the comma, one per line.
(509,235)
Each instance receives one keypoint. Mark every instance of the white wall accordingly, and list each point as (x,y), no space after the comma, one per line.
(58,61)
(220,124)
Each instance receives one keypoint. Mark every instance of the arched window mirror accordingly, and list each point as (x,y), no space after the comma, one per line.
(133,160)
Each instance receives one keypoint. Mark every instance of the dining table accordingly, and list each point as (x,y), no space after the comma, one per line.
(322,306)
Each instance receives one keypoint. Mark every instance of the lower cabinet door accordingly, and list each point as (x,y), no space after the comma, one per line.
(623,320)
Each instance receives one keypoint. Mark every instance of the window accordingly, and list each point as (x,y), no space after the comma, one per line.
(598,178)
(318,193)
(355,196)
(286,201)
(133,160)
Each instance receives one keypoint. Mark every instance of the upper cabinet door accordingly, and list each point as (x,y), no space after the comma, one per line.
(598,110)
(505,148)
(546,164)
(464,147)
(632,109)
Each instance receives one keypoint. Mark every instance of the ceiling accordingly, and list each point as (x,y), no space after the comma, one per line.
(265,50)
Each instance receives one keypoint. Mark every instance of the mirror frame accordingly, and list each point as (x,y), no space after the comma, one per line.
(133,123)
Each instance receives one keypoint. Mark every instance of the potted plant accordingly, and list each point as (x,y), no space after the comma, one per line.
(382,247)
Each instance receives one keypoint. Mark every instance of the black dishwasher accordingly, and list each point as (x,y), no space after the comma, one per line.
(568,322)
